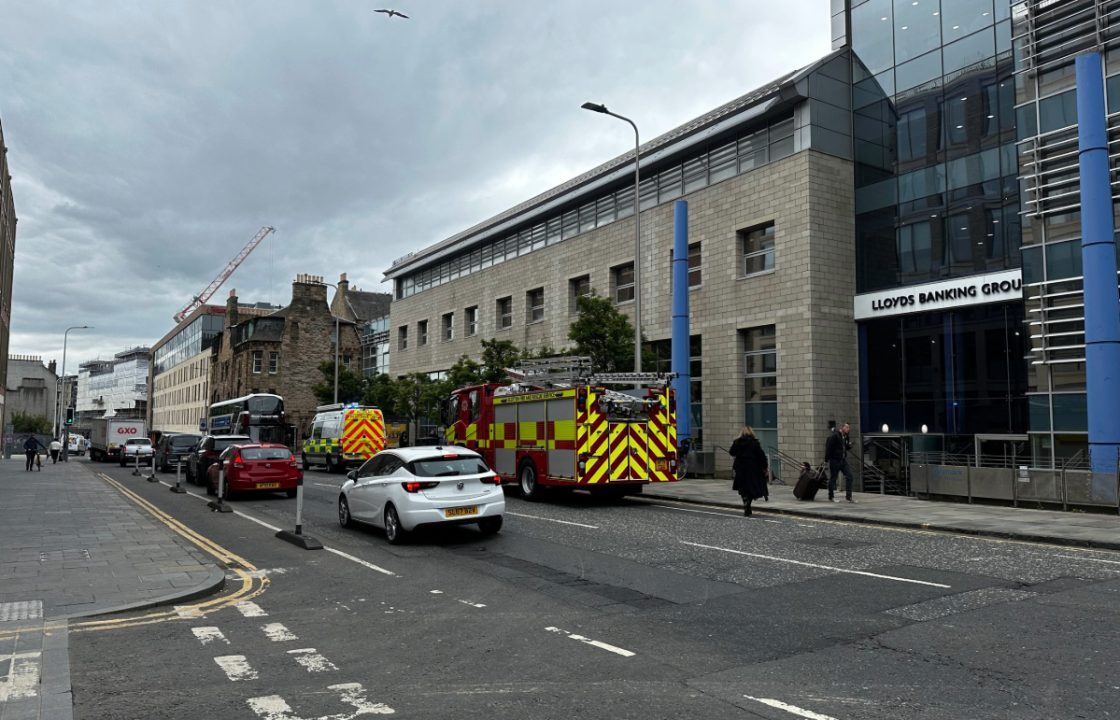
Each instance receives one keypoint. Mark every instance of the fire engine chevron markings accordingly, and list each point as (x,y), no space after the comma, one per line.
(312,661)
(594,643)
(274,707)
(207,635)
(236,667)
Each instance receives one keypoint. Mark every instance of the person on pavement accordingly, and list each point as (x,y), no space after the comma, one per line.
(750,468)
(56,450)
(31,447)
(836,454)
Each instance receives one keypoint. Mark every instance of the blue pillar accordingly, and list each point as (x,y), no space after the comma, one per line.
(1098,260)
(682,384)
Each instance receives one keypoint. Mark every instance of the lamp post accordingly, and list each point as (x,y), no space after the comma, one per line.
(599,108)
(336,344)
(61,428)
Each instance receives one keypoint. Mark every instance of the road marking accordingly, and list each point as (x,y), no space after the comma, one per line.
(236,667)
(562,522)
(187,612)
(207,635)
(22,680)
(312,661)
(361,562)
(262,523)
(354,695)
(726,513)
(276,632)
(328,485)
(249,608)
(474,605)
(1089,559)
(272,707)
(791,709)
(21,610)
(588,641)
(436,592)
(815,565)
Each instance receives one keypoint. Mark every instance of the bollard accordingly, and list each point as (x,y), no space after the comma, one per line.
(136,463)
(298,538)
(151,476)
(220,504)
(178,487)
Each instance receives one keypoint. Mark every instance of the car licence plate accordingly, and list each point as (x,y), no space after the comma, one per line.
(460,511)
(267,486)
(661,464)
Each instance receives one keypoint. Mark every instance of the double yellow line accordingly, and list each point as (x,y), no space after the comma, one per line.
(250,585)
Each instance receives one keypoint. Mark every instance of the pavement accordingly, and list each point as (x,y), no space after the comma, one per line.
(74,547)
(1084,529)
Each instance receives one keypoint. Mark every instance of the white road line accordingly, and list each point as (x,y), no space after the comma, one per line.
(791,709)
(436,592)
(562,522)
(361,562)
(312,661)
(207,635)
(815,565)
(187,613)
(262,523)
(236,667)
(729,513)
(276,632)
(601,645)
(327,485)
(474,605)
(22,680)
(1089,559)
(272,707)
(354,695)
(248,608)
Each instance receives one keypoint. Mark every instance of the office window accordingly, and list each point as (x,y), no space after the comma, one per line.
(448,326)
(402,337)
(760,378)
(258,360)
(273,363)
(622,276)
(421,333)
(471,316)
(534,305)
(504,312)
(757,245)
(694,266)
(577,288)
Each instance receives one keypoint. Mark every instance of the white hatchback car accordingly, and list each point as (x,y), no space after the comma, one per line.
(404,488)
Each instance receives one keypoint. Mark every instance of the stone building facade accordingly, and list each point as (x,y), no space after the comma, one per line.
(32,387)
(771,265)
(370,310)
(7,264)
(281,352)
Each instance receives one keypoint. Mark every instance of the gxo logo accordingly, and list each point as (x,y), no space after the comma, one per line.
(126,431)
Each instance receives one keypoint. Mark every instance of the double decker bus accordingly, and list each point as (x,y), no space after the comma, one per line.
(260,416)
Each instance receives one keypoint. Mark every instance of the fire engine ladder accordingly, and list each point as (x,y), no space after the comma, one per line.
(562,370)
(631,378)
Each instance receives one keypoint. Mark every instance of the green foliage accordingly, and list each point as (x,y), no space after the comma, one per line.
(497,355)
(351,385)
(417,395)
(465,371)
(25,423)
(380,391)
(604,334)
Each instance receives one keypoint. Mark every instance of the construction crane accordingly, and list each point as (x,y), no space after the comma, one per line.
(216,283)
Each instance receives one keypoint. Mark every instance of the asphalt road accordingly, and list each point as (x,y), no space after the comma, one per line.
(635,609)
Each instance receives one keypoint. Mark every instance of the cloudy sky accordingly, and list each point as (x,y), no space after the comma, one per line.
(149,140)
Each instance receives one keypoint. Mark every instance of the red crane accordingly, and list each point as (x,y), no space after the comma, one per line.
(216,283)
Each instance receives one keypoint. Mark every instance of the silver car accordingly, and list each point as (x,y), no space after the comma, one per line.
(403,489)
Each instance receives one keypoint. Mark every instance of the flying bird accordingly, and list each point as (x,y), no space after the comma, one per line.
(391,13)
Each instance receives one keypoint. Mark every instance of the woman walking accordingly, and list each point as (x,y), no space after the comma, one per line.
(750,468)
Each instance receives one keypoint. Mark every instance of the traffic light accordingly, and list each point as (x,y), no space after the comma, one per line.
(69,416)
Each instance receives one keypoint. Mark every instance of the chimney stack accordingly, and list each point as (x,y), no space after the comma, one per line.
(232,317)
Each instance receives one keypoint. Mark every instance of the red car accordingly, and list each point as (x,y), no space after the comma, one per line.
(259,466)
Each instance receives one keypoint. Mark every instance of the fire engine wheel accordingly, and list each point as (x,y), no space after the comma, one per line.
(527,482)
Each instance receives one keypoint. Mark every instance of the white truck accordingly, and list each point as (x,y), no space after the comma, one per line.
(109,434)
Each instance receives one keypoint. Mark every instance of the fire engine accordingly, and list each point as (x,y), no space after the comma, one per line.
(559,426)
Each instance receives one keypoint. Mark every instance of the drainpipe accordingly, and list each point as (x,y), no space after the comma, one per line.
(1098,260)
(682,382)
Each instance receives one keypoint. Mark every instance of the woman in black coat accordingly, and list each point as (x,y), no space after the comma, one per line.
(750,468)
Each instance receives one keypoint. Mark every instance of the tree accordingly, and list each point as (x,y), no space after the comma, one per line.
(27,423)
(604,334)
(380,391)
(418,396)
(497,355)
(351,385)
(465,371)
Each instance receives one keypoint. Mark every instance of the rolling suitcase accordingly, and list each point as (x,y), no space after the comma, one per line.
(809,483)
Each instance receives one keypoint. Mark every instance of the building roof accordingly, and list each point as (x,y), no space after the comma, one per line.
(368,305)
(759,100)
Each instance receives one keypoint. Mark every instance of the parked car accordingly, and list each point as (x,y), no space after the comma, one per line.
(250,468)
(135,448)
(206,453)
(403,489)
(76,444)
(173,447)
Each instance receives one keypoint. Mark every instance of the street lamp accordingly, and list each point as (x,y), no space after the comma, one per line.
(599,108)
(60,428)
(336,344)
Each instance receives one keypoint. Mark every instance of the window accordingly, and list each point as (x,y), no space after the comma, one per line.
(694,266)
(273,363)
(623,278)
(758,249)
(448,326)
(472,320)
(504,311)
(760,378)
(258,360)
(577,288)
(421,333)
(402,337)
(534,305)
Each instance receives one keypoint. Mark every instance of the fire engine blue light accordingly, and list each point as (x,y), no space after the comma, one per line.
(1098,260)
(682,383)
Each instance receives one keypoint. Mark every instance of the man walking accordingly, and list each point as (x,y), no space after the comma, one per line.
(836,453)
(31,449)
(56,450)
